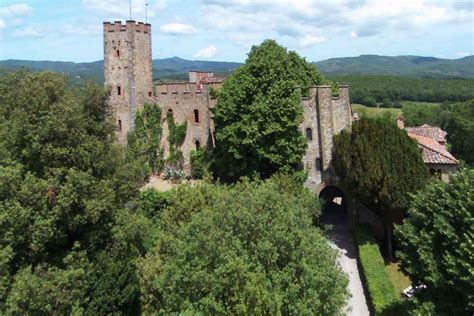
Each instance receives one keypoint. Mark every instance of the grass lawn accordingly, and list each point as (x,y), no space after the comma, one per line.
(399,280)
(421,103)
(362,110)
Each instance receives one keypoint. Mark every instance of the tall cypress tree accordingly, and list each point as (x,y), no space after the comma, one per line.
(380,165)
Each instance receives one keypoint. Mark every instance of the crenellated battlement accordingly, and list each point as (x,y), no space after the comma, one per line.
(117,26)
(179,88)
(313,91)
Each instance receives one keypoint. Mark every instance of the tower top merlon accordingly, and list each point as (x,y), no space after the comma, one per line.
(117,26)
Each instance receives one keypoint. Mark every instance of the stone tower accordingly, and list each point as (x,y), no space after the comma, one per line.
(127,71)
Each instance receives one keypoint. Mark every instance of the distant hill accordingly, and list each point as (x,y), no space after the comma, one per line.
(176,68)
(167,68)
(399,66)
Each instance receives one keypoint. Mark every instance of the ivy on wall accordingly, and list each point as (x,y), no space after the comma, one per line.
(144,140)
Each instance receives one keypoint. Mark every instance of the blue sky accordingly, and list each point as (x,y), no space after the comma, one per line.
(226,29)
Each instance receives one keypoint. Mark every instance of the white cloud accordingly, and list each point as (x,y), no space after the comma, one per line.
(462,54)
(121,8)
(207,52)
(91,29)
(30,31)
(18,9)
(11,13)
(178,29)
(310,40)
(296,19)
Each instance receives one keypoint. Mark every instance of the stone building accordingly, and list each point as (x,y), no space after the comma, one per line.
(128,73)
(432,142)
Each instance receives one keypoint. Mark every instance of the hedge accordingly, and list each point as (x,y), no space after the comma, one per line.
(377,282)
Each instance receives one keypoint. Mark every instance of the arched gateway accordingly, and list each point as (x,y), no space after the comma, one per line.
(334,204)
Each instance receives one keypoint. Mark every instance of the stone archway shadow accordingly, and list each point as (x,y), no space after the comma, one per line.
(335,217)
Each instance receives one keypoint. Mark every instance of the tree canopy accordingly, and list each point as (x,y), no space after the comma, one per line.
(436,243)
(67,239)
(251,248)
(258,113)
(380,165)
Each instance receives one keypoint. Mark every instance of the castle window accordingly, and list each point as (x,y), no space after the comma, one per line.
(318,164)
(309,134)
(119,125)
(198,144)
(118,53)
(119,90)
(149,94)
(196,116)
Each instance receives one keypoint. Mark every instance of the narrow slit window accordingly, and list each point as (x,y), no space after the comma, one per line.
(119,90)
(119,125)
(149,94)
(309,134)
(196,116)
(198,144)
(318,164)
(118,53)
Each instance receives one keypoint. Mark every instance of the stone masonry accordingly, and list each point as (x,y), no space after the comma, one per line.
(127,65)
(127,71)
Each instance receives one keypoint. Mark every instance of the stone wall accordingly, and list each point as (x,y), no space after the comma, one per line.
(183,99)
(326,116)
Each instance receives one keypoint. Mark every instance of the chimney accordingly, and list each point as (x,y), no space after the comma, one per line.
(401,121)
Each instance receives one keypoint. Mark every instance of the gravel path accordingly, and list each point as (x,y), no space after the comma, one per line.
(342,240)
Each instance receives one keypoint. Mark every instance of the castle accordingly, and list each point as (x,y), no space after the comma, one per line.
(128,73)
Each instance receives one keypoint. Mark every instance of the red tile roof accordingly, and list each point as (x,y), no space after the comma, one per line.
(426,130)
(432,151)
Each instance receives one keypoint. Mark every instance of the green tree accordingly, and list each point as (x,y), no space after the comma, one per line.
(436,243)
(251,248)
(258,113)
(380,165)
(369,101)
(459,123)
(62,204)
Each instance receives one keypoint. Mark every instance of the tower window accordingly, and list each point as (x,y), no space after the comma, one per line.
(119,125)
(196,116)
(318,164)
(118,53)
(149,94)
(119,90)
(309,134)
(198,144)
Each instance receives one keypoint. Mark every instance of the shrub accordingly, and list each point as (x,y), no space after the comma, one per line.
(381,291)
(173,174)
(370,102)
(199,165)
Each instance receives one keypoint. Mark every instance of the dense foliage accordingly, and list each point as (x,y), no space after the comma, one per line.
(144,140)
(436,241)
(379,286)
(456,119)
(246,249)
(176,136)
(392,88)
(67,238)
(258,113)
(380,165)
